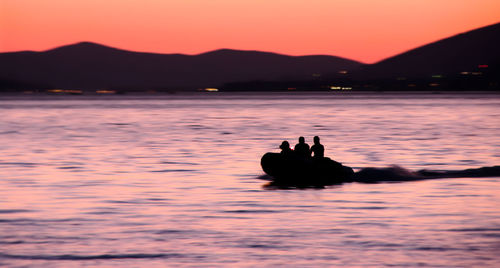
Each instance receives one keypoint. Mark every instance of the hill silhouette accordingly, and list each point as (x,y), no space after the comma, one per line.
(467,61)
(88,65)
(460,53)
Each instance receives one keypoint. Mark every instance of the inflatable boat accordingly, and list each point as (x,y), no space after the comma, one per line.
(298,171)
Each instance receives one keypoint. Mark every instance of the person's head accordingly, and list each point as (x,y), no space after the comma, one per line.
(284,145)
(302,140)
(316,140)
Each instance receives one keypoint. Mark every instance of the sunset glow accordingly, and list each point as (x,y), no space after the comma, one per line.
(367,31)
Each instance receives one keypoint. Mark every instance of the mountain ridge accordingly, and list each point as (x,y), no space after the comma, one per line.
(454,54)
(86,65)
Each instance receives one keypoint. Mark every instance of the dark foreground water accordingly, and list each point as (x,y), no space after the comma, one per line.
(171,181)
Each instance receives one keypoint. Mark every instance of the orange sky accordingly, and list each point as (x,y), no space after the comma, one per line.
(367,31)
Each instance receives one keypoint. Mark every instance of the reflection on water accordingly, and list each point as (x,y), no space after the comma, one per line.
(169,181)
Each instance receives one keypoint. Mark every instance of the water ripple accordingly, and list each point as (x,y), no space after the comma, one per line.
(174,170)
(475,230)
(89,257)
(362,208)
(8,211)
(251,211)
(22,164)
(169,231)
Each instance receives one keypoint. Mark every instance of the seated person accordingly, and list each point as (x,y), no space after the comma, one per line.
(318,149)
(302,148)
(285,148)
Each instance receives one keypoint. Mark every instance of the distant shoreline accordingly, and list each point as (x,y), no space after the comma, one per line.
(246,94)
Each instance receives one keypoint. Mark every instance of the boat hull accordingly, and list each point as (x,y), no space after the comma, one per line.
(297,171)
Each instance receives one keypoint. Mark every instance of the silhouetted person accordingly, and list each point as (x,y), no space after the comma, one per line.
(302,148)
(285,148)
(317,148)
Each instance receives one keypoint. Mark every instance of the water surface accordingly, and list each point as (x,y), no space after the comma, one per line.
(138,181)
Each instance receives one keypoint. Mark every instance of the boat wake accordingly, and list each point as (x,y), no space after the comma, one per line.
(399,174)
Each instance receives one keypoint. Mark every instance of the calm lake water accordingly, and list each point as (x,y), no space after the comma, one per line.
(171,180)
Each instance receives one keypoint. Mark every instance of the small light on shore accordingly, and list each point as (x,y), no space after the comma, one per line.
(68,91)
(340,88)
(211,89)
(105,91)
(73,91)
